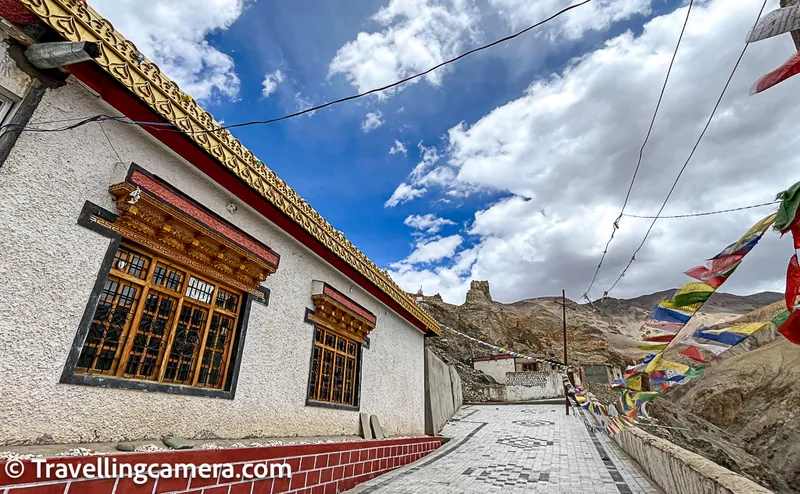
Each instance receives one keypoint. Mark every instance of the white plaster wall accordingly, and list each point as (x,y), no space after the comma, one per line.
(525,386)
(495,368)
(48,265)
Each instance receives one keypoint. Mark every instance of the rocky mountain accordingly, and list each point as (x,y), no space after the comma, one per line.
(601,332)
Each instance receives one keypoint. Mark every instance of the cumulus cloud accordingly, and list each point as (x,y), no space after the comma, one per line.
(429,223)
(270,83)
(372,121)
(414,35)
(430,250)
(596,16)
(425,174)
(569,144)
(398,148)
(174,35)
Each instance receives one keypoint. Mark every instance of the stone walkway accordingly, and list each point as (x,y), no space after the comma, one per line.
(518,448)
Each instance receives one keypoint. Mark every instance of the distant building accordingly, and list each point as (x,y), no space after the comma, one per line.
(599,373)
(498,365)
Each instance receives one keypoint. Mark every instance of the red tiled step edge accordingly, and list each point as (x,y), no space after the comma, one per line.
(316,469)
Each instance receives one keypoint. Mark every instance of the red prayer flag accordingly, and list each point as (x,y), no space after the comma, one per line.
(665,338)
(716,270)
(792,283)
(693,353)
(791,328)
(790,68)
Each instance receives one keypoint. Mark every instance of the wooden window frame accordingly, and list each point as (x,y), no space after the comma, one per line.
(70,374)
(360,347)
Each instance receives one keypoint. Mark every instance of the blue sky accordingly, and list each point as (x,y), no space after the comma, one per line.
(528,207)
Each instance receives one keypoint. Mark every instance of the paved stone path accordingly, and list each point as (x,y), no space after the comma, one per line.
(518,448)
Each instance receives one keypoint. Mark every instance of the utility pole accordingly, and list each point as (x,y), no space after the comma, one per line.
(564,323)
(563,305)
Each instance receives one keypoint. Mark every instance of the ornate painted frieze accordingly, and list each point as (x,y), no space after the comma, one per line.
(164,221)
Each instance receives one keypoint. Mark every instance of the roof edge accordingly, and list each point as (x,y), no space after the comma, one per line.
(119,57)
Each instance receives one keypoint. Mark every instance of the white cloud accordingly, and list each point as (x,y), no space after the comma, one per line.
(430,250)
(404,193)
(303,103)
(270,83)
(415,35)
(174,35)
(398,148)
(429,223)
(428,173)
(569,144)
(596,16)
(372,122)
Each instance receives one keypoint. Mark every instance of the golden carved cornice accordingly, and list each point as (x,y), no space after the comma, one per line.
(77,21)
(144,219)
(340,318)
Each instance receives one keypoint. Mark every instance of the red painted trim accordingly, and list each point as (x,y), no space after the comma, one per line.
(16,13)
(129,105)
(333,293)
(183,204)
(331,462)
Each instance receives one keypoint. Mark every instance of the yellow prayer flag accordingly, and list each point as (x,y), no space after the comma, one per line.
(653,364)
(670,365)
(748,328)
(669,304)
(694,287)
(635,383)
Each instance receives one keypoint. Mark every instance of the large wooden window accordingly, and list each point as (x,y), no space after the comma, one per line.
(334,366)
(158,321)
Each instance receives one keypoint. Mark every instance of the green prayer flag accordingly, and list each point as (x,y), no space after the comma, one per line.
(697,372)
(780,318)
(684,299)
(787,212)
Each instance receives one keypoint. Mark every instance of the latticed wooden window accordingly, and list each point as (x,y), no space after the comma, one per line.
(158,321)
(341,327)
(334,366)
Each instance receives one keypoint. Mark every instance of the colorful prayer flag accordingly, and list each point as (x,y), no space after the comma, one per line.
(693,293)
(693,353)
(669,315)
(776,22)
(791,327)
(792,283)
(789,69)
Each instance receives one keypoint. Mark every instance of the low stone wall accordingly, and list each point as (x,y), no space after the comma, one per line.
(677,470)
(526,386)
(493,392)
(443,396)
(323,467)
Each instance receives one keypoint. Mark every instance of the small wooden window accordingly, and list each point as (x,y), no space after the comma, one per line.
(160,322)
(334,369)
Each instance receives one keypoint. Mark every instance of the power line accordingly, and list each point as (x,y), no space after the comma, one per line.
(691,154)
(641,151)
(166,126)
(708,213)
(402,81)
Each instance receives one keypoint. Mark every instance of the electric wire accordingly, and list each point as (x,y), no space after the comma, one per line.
(688,160)
(172,128)
(615,225)
(707,213)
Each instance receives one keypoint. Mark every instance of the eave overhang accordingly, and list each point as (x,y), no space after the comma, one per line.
(138,89)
